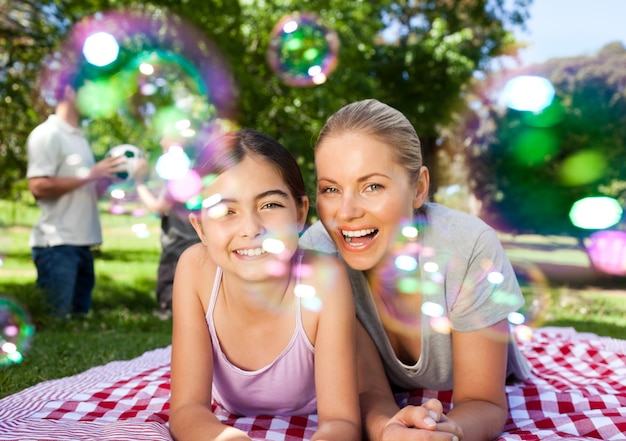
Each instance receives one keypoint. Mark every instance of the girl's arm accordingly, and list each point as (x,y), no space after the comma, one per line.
(191,417)
(335,356)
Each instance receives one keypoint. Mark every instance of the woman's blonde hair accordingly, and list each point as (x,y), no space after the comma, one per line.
(388,125)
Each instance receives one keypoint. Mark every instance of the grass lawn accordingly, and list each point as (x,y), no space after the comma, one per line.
(122,324)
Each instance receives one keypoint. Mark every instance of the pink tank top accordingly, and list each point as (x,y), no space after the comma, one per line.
(284,387)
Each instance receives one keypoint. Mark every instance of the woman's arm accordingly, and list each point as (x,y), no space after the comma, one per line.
(383,420)
(191,417)
(480,359)
(335,356)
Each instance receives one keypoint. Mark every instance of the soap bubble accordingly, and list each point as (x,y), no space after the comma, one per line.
(145,65)
(16,332)
(302,51)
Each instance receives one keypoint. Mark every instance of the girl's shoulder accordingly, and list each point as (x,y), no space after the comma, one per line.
(325,273)
(195,273)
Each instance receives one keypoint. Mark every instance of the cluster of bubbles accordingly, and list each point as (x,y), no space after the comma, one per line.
(418,270)
(166,78)
(16,332)
(601,216)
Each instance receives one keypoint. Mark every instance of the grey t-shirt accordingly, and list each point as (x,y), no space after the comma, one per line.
(457,254)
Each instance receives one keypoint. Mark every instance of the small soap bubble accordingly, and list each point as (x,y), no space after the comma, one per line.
(302,51)
(16,332)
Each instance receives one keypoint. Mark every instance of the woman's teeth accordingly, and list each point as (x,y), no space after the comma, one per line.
(349,235)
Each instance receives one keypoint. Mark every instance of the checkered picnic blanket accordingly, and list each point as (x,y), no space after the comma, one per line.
(577,392)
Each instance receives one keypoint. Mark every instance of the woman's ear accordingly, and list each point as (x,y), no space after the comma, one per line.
(421,188)
(197,225)
(303,211)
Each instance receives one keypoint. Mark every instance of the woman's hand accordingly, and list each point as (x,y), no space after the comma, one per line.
(421,423)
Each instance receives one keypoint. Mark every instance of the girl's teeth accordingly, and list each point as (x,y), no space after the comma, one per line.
(251,252)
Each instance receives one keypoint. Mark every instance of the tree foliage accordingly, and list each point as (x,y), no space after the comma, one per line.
(421,64)
(529,168)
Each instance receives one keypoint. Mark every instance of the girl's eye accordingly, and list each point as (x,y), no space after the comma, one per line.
(270,205)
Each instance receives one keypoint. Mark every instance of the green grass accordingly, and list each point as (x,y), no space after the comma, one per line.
(122,324)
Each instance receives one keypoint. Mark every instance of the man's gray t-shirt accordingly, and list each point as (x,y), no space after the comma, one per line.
(55,148)
(457,254)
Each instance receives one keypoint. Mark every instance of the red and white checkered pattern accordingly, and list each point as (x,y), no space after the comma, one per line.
(577,392)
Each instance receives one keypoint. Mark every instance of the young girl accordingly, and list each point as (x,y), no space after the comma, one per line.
(260,327)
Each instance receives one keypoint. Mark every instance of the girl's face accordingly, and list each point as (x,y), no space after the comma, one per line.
(364,197)
(245,206)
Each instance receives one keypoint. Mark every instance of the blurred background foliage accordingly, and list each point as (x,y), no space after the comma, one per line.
(422,68)
(436,61)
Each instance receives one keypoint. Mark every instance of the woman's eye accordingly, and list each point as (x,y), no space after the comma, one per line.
(374,187)
(328,190)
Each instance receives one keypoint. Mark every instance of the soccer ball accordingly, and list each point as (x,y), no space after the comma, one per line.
(132,153)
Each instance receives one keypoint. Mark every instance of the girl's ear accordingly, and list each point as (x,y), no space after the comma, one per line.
(197,225)
(421,189)
(303,211)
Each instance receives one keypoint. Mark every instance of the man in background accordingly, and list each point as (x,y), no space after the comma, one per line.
(67,183)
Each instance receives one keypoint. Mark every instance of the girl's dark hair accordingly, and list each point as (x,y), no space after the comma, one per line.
(229,149)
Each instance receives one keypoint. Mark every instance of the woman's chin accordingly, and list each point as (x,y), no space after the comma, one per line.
(361,261)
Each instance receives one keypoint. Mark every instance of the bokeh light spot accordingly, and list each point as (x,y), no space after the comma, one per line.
(528,93)
(583,168)
(535,146)
(186,187)
(607,251)
(409,285)
(432,309)
(173,164)
(304,291)
(101,49)
(406,263)
(409,232)
(274,246)
(595,213)
(495,277)
(431,267)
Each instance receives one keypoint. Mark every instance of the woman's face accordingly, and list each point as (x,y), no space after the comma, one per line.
(364,196)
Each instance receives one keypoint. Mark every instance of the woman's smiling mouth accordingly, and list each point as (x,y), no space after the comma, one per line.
(358,238)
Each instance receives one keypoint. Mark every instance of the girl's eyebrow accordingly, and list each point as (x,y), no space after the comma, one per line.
(263,195)
(276,192)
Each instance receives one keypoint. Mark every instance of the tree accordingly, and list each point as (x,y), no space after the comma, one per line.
(423,70)
(529,168)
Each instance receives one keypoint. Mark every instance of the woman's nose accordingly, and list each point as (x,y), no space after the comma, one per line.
(350,208)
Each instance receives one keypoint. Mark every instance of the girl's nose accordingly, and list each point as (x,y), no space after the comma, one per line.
(251,225)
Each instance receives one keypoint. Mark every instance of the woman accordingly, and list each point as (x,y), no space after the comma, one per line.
(260,326)
(435,300)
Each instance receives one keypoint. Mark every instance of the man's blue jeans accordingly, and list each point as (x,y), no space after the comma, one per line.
(66,275)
